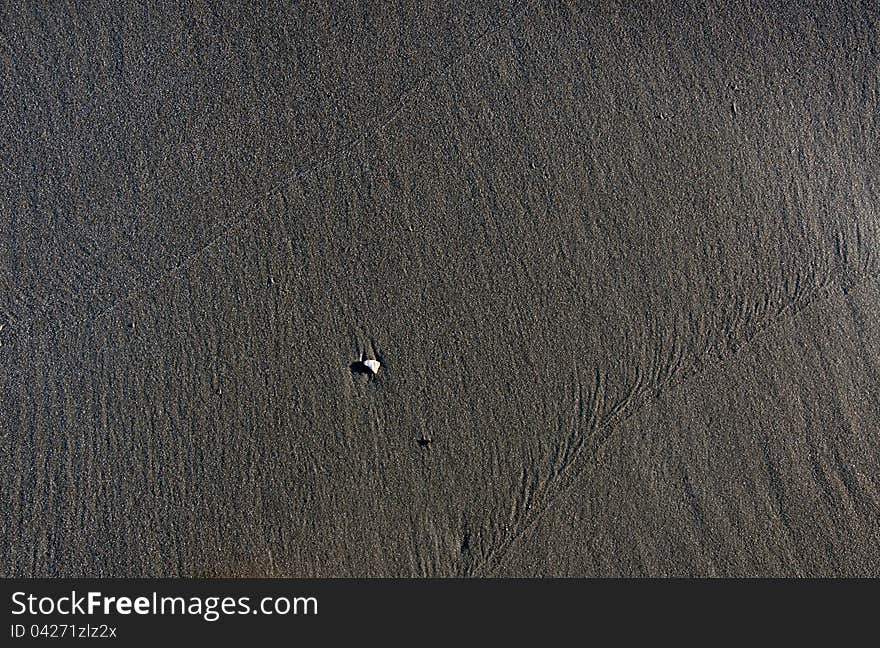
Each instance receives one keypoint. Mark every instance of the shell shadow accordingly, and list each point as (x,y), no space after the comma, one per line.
(358,367)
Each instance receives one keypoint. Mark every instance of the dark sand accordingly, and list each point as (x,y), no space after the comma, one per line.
(620,266)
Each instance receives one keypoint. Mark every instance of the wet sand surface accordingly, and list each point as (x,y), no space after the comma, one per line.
(619,265)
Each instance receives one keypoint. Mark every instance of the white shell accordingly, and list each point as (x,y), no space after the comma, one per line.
(372,365)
